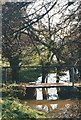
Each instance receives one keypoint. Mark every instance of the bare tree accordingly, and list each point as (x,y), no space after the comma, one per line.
(59,37)
(15,25)
(13,45)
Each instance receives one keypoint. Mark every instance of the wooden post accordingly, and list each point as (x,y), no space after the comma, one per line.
(44,94)
(5,75)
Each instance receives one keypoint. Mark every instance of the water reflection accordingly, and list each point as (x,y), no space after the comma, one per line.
(46,108)
(50,93)
(46,93)
(49,106)
(46,98)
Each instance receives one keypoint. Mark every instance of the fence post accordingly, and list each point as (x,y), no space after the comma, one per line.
(5,74)
(72,75)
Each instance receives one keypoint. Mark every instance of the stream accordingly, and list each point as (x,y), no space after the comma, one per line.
(53,101)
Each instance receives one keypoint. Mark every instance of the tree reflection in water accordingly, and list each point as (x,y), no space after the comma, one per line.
(46,108)
(46,94)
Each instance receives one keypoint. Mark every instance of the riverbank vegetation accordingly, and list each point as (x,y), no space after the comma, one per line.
(13,109)
(42,33)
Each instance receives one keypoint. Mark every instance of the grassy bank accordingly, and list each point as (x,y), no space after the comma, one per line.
(13,109)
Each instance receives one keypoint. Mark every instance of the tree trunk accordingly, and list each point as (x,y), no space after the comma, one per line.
(70,74)
(58,70)
(79,69)
(45,71)
(15,73)
(14,64)
(43,74)
(57,75)
(44,94)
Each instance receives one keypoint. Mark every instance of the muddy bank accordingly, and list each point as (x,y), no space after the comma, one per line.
(58,108)
(72,111)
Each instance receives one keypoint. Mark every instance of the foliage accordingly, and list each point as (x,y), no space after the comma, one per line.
(9,91)
(26,74)
(12,109)
(1,101)
(15,29)
(39,31)
(32,60)
(30,74)
(13,44)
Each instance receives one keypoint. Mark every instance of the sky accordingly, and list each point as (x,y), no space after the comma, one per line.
(56,18)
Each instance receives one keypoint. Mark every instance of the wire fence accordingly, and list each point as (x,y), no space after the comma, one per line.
(31,73)
(26,74)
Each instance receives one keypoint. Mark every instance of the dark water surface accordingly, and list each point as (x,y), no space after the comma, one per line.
(50,100)
(57,108)
(49,105)
(53,100)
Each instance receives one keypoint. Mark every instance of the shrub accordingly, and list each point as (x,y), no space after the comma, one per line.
(12,109)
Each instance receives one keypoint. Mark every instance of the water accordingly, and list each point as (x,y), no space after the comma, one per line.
(47,99)
(46,106)
(50,106)
(51,93)
(52,78)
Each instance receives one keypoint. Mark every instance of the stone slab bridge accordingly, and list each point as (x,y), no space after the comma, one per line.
(45,85)
(31,91)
